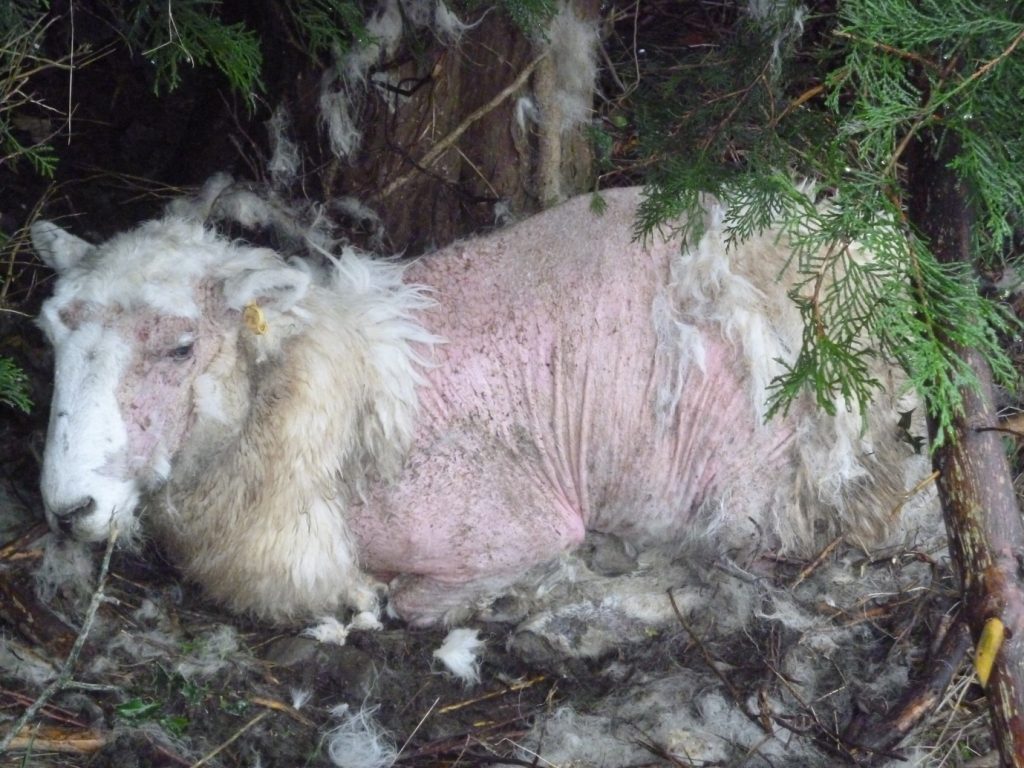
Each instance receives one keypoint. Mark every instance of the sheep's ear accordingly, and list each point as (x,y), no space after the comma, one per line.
(58,249)
(279,287)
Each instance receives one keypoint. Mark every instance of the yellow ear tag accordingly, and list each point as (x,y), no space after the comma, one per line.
(254,318)
(989,643)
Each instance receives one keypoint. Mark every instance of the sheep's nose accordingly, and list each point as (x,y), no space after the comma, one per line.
(66,515)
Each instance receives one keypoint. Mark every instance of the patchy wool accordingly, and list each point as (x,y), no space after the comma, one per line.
(318,392)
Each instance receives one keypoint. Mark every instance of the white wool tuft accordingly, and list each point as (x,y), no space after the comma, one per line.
(212,653)
(327,630)
(336,110)
(147,611)
(144,646)
(447,25)
(67,567)
(300,697)
(198,207)
(359,741)
(783,19)
(459,653)
(572,45)
(343,85)
(245,207)
(366,621)
(285,158)
(526,112)
(357,210)
(503,215)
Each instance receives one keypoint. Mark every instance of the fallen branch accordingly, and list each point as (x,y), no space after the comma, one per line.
(986,534)
(64,676)
(868,736)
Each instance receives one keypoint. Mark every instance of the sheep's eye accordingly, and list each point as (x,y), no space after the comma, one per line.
(182,351)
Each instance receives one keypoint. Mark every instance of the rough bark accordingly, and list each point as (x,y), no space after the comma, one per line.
(450,194)
(986,535)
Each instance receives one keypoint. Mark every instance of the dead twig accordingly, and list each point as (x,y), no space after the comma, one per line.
(440,147)
(234,737)
(51,739)
(737,697)
(493,694)
(817,561)
(69,663)
(16,548)
(881,735)
(419,725)
(280,706)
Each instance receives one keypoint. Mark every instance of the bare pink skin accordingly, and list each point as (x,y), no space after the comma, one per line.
(540,420)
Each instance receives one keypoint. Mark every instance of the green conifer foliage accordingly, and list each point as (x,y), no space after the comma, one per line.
(837,100)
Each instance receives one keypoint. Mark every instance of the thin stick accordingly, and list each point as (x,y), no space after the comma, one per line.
(280,706)
(414,730)
(65,673)
(462,127)
(814,565)
(208,757)
(521,685)
(708,658)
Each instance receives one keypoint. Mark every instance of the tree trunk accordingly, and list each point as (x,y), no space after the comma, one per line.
(446,156)
(986,535)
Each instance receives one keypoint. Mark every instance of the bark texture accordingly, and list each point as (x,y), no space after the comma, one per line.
(428,198)
(986,535)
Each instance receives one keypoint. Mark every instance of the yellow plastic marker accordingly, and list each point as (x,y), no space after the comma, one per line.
(989,643)
(255,319)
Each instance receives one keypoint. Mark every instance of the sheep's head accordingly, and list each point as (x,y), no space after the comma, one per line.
(145,328)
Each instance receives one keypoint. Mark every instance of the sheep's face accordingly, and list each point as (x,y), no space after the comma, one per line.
(136,324)
(121,405)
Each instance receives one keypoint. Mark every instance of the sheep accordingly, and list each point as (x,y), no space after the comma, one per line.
(304,440)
